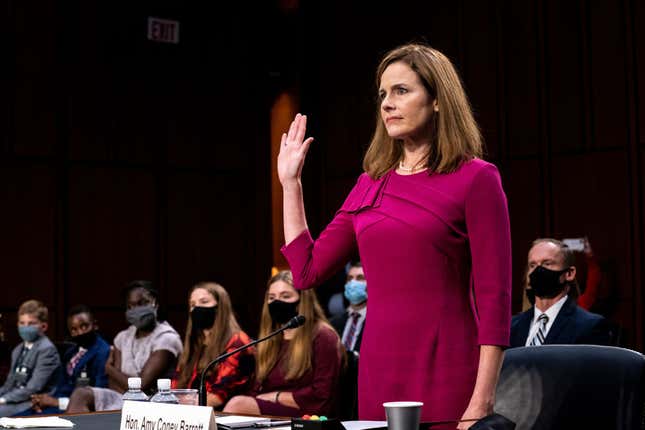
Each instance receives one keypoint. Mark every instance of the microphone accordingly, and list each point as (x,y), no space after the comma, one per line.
(294,322)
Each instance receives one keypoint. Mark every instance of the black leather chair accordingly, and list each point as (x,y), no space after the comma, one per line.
(63,346)
(572,387)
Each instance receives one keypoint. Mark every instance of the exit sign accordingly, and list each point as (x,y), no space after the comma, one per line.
(163,30)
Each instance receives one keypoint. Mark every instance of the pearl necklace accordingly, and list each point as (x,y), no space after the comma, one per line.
(411,169)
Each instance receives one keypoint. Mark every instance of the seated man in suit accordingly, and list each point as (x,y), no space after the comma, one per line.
(349,324)
(83,364)
(555,318)
(35,364)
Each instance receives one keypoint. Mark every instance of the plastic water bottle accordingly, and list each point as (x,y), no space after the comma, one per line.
(134,391)
(164,395)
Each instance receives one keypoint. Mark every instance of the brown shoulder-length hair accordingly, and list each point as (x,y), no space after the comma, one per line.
(455,134)
(196,347)
(301,345)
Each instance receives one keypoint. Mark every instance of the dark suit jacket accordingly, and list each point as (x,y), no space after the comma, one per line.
(93,361)
(573,325)
(339,321)
(43,369)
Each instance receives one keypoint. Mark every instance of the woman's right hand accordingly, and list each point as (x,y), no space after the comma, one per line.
(110,361)
(293,150)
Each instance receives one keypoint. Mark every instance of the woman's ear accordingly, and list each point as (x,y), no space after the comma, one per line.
(435,105)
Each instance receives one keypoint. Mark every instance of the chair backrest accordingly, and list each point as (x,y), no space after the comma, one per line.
(62,347)
(572,387)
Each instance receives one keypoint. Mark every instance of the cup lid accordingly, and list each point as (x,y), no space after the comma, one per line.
(402,404)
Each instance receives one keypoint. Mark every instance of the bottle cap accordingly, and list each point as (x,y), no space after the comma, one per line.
(134,383)
(163,384)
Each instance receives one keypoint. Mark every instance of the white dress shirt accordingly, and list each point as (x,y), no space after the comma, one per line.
(552,313)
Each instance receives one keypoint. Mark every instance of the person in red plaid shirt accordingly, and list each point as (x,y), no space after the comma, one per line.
(212,330)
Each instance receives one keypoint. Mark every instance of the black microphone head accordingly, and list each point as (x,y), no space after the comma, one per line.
(294,322)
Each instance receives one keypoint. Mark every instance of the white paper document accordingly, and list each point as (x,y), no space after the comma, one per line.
(23,423)
(362,425)
(238,421)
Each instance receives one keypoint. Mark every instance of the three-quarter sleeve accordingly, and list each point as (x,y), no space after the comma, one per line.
(318,396)
(313,262)
(488,226)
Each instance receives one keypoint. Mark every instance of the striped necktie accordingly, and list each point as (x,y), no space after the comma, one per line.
(74,361)
(349,340)
(540,335)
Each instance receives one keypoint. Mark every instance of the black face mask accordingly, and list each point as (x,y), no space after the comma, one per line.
(281,312)
(545,283)
(203,317)
(530,295)
(85,340)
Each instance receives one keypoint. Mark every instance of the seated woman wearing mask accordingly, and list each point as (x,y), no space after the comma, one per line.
(147,349)
(212,330)
(297,372)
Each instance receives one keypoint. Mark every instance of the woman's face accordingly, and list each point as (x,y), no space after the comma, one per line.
(139,297)
(202,298)
(406,106)
(280,290)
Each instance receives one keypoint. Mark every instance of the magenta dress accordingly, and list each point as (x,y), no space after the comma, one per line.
(437,258)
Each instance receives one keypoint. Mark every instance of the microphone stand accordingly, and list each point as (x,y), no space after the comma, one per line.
(292,323)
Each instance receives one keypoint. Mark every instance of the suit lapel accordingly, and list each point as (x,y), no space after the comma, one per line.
(359,339)
(30,357)
(561,321)
(84,359)
(523,325)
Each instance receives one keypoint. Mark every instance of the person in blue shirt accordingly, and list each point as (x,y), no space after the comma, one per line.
(83,364)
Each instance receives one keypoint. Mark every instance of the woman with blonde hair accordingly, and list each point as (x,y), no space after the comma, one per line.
(212,330)
(430,221)
(297,372)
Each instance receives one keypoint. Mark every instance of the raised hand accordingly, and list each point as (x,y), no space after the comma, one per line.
(293,149)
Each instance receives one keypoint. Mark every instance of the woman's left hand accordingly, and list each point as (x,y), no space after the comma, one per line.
(474,412)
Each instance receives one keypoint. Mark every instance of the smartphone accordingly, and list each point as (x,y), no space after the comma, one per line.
(577,244)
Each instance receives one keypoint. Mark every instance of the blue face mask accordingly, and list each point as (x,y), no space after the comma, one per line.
(356,291)
(29,333)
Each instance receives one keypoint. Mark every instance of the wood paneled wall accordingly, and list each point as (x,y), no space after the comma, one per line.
(557,88)
(125,159)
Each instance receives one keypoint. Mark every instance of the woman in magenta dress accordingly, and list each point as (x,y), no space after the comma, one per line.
(430,222)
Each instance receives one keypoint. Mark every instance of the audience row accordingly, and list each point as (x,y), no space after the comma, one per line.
(293,374)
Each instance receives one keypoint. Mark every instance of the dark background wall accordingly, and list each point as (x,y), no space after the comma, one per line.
(124,159)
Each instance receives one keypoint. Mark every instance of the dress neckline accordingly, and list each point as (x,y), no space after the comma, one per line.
(422,172)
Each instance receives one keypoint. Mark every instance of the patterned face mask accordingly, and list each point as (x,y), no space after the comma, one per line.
(142,317)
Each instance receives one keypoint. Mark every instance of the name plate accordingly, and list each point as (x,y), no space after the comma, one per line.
(162,416)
